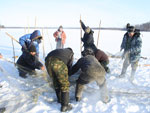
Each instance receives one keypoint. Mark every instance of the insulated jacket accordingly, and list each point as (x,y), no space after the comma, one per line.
(28,61)
(65,55)
(63,36)
(101,56)
(87,39)
(133,46)
(28,39)
(91,69)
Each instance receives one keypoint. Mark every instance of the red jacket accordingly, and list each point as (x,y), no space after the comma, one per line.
(101,56)
(63,36)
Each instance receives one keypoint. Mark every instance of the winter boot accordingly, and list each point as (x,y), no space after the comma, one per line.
(78,92)
(65,106)
(58,94)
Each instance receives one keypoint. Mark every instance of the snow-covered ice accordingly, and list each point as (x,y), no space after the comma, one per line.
(36,95)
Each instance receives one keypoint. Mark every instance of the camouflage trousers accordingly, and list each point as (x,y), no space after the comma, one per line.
(59,73)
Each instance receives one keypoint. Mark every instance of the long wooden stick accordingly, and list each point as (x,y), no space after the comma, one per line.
(13,50)
(12,37)
(80,36)
(43,44)
(98,33)
(35,22)
(28,24)
(49,40)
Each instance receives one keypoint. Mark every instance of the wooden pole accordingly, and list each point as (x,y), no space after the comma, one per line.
(35,22)
(43,43)
(28,24)
(80,36)
(49,39)
(98,33)
(13,51)
(12,37)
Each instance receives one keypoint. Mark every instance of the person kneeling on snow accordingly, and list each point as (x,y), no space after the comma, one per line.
(91,70)
(57,63)
(131,44)
(28,62)
(31,39)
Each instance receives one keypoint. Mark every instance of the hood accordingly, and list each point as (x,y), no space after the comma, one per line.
(35,35)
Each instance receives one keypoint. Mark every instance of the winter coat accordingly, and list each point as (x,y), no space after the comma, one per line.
(91,69)
(134,48)
(64,55)
(101,56)
(63,36)
(28,39)
(88,37)
(28,61)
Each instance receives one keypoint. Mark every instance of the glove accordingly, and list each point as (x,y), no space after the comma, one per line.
(82,40)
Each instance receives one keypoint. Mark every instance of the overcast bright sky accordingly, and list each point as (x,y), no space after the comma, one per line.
(113,13)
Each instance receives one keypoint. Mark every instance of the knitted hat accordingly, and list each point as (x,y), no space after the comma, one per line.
(32,48)
(87,51)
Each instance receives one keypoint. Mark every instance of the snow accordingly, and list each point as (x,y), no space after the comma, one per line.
(36,95)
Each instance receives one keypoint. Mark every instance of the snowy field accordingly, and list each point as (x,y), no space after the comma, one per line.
(36,95)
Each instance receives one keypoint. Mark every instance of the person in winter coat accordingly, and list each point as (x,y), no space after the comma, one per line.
(91,70)
(131,45)
(60,38)
(88,38)
(101,57)
(1,56)
(28,62)
(58,63)
(31,39)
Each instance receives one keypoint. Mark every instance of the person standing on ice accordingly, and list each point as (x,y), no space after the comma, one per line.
(29,39)
(91,70)
(28,62)
(58,63)
(88,38)
(131,45)
(1,56)
(60,37)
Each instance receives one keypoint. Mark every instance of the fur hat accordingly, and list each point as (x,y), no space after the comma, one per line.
(131,29)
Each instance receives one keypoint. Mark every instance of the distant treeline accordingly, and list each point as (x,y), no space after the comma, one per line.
(143,27)
(2,26)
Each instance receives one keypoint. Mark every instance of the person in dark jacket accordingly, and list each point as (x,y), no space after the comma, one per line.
(88,38)
(28,62)
(131,45)
(58,63)
(91,70)
(101,57)
(31,39)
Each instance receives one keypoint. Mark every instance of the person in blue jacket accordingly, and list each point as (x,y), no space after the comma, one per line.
(28,62)
(29,39)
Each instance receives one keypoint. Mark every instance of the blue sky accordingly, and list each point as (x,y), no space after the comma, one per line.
(112,13)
